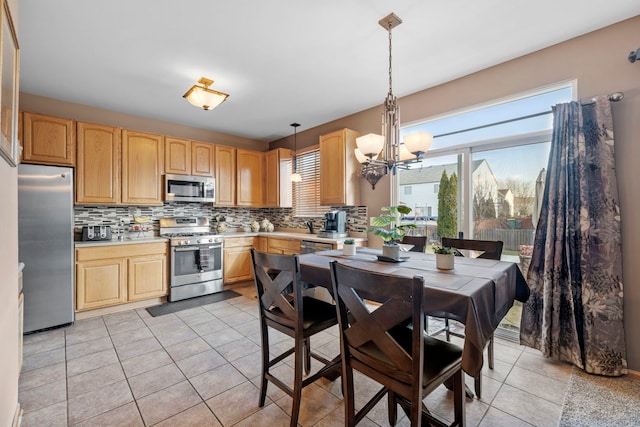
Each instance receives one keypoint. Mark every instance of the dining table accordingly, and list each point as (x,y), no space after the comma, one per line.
(478,292)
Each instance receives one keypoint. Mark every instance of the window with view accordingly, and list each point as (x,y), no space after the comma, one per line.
(497,157)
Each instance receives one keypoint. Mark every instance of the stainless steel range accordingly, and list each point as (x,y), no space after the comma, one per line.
(196,257)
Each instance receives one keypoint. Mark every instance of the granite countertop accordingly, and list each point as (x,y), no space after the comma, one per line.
(293,235)
(129,241)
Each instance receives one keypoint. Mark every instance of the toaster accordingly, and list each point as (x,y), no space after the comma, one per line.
(96,232)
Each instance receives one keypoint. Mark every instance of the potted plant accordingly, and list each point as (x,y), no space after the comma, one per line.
(387,226)
(444,257)
(349,247)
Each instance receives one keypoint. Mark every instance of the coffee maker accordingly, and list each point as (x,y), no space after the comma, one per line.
(335,224)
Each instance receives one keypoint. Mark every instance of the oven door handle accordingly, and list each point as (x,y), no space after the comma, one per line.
(194,248)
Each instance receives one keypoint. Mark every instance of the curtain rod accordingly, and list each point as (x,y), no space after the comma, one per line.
(613,97)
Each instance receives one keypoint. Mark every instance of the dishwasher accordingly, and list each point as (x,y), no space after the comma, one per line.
(308,246)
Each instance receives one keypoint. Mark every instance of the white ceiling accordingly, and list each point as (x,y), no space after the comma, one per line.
(282,60)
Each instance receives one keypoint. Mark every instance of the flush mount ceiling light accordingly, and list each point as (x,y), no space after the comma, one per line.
(295,176)
(380,154)
(203,97)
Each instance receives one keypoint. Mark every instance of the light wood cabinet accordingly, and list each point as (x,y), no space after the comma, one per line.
(115,274)
(277,188)
(98,164)
(142,168)
(202,159)
(279,245)
(237,259)
(249,178)
(48,140)
(262,243)
(225,161)
(177,156)
(186,157)
(339,169)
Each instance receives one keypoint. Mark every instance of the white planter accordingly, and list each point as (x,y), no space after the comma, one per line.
(349,249)
(445,261)
(391,251)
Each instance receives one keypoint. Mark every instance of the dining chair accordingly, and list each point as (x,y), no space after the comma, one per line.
(387,343)
(418,242)
(284,308)
(491,249)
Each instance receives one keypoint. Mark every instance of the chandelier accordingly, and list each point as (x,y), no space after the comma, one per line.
(203,97)
(381,154)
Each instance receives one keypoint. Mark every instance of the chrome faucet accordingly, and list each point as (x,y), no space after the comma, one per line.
(309,225)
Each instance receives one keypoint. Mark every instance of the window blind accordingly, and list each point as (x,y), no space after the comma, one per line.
(306,200)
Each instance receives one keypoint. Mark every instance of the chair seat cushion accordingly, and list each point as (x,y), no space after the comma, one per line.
(317,314)
(439,356)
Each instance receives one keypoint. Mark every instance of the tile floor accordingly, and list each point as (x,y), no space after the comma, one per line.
(200,367)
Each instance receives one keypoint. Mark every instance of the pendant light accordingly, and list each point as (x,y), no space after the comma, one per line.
(295,176)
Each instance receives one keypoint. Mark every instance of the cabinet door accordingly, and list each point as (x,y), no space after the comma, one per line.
(147,277)
(277,187)
(100,283)
(339,181)
(142,168)
(202,159)
(225,158)
(237,264)
(98,164)
(249,178)
(48,140)
(177,156)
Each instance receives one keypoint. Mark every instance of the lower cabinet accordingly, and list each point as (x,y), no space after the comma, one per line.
(278,245)
(116,274)
(237,259)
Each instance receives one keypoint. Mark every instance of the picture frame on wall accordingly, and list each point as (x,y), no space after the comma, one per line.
(9,74)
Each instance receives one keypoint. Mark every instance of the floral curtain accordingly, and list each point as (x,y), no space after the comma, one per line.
(575,311)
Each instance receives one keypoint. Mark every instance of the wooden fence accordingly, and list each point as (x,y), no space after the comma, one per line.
(512,238)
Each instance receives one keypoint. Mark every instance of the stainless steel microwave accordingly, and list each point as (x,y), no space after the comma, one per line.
(186,188)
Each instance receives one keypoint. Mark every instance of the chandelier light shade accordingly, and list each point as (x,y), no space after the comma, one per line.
(295,176)
(203,97)
(380,154)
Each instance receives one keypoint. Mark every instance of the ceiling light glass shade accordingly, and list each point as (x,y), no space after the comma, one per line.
(370,145)
(296,177)
(203,97)
(361,158)
(405,154)
(418,142)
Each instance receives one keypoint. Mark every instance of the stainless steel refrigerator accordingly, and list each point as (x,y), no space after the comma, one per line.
(45,233)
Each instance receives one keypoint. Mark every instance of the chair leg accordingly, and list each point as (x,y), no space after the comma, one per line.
(490,352)
(299,356)
(459,398)
(348,395)
(446,329)
(265,365)
(393,408)
(307,356)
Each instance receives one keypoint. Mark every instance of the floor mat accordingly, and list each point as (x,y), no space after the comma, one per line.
(172,307)
(597,401)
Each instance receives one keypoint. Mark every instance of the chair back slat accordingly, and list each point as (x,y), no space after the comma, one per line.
(276,278)
(418,242)
(367,332)
(491,249)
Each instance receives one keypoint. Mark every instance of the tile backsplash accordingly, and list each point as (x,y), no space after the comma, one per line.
(282,218)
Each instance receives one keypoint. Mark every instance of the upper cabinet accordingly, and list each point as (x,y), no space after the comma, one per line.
(186,157)
(249,178)
(177,156)
(48,140)
(225,161)
(142,168)
(277,186)
(98,164)
(339,169)
(202,159)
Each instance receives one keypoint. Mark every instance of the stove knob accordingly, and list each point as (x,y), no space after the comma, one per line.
(184,242)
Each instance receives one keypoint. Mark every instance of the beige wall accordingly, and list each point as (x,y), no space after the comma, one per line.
(69,110)
(599,63)
(9,283)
